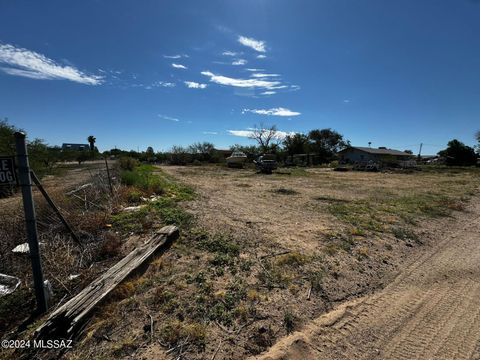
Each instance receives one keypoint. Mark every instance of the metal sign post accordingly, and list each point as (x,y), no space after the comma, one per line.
(25,182)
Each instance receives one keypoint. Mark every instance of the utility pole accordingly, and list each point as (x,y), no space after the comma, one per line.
(420,151)
(25,182)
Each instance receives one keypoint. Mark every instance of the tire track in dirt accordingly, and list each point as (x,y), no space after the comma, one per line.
(430,311)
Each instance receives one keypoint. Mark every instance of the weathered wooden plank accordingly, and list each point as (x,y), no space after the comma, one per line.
(69,319)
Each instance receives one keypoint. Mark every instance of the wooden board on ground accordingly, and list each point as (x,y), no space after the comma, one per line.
(67,321)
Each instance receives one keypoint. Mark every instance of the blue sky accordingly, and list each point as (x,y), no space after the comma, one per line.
(163,73)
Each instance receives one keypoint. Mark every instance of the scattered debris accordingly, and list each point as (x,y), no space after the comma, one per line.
(8,284)
(68,320)
(73,277)
(132,208)
(21,249)
(83,187)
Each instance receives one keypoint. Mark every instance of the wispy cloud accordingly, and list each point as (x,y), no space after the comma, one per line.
(261,75)
(253,70)
(280,135)
(179,66)
(256,45)
(168,118)
(242,83)
(261,56)
(268,93)
(163,84)
(239,62)
(178,56)
(30,64)
(230,53)
(272,112)
(210,132)
(194,85)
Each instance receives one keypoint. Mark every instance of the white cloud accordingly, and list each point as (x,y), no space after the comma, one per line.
(210,133)
(162,84)
(239,62)
(179,66)
(256,45)
(280,135)
(230,53)
(272,112)
(242,83)
(195,85)
(261,56)
(261,75)
(254,70)
(168,118)
(268,93)
(178,56)
(26,63)
(241,133)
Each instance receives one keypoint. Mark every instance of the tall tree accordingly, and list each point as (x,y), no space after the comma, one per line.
(459,154)
(7,141)
(265,137)
(326,143)
(91,140)
(296,144)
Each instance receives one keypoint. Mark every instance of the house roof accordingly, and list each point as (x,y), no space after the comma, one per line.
(382,151)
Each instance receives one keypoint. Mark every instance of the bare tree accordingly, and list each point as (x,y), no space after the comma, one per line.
(264,136)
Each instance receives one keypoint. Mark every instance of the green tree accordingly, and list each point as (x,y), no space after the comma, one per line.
(91,141)
(326,143)
(296,144)
(7,140)
(459,154)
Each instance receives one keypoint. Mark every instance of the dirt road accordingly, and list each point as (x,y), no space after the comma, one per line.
(430,311)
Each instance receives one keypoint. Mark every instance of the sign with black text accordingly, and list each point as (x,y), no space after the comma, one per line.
(7,171)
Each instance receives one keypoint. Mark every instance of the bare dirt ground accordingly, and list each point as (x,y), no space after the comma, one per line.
(430,311)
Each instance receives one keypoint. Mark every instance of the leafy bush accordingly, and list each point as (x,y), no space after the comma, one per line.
(128,163)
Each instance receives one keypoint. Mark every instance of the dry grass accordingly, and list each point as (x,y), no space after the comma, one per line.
(230,275)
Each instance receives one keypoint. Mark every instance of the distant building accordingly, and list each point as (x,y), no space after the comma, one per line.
(381,156)
(75,147)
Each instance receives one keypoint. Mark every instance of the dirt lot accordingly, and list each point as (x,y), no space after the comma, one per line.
(262,256)
(430,311)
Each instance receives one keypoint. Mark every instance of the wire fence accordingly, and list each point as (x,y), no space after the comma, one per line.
(83,196)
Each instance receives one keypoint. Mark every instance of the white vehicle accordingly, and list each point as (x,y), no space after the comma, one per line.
(237,159)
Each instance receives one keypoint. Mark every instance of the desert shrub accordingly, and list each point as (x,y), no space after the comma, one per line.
(284,191)
(110,247)
(142,178)
(128,163)
(404,233)
(289,320)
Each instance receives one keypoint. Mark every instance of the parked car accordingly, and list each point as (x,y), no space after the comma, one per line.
(266,163)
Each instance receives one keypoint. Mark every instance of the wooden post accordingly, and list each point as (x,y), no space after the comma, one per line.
(55,208)
(108,174)
(30,220)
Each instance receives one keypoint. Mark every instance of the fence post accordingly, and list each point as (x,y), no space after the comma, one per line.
(55,208)
(25,182)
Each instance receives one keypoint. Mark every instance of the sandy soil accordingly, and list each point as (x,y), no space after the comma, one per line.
(430,311)
(242,199)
